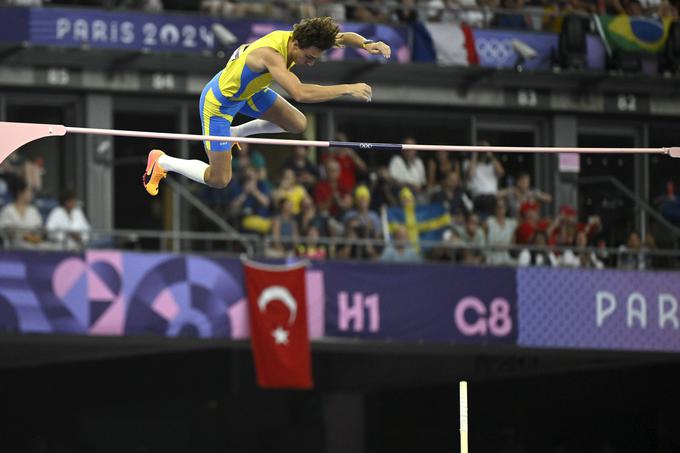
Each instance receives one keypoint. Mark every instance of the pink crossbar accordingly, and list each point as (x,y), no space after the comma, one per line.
(15,135)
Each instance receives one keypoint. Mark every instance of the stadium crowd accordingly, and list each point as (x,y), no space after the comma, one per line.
(508,14)
(435,207)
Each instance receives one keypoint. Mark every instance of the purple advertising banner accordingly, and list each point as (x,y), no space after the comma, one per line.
(14,25)
(420,302)
(605,309)
(117,293)
(101,29)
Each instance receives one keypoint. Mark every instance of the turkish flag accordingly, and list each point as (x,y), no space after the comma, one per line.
(277,305)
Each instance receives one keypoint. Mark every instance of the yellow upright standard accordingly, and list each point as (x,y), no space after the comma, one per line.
(463,417)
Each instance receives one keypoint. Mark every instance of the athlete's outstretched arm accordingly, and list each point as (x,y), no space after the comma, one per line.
(357,41)
(306,92)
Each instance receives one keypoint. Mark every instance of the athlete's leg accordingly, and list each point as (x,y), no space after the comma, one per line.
(275,113)
(218,173)
(215,121)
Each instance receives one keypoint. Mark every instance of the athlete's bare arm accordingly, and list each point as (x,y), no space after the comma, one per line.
(272,61)
(356,41)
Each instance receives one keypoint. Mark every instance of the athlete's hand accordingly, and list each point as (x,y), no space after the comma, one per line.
(361,91)
(379,48)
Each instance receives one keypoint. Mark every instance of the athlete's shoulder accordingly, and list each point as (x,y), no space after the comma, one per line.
(276,35)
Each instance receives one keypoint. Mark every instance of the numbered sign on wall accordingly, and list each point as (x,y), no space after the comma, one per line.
(164,82)
(527,98)
(626,103)
(58,77)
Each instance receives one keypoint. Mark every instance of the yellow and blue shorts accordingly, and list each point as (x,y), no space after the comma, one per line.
(218,111)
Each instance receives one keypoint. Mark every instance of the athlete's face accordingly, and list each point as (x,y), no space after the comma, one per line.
(307,56)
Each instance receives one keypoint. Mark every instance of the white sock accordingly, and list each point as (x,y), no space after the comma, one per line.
(255,127)
(192,169)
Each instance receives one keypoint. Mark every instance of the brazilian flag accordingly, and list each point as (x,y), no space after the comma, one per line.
(425,223)
(633,34)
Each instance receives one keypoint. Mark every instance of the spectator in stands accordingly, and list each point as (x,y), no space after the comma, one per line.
(611,7)
(511,17)
(310,247)
(523,193)
(373,12)
(383,189)
(399,250)
(579,256)
(455,11)
(540,255)
(35,3)
(406,12)
(442,10)
(331,8)
(632,255)
(150,6)
(31,171)
(330,195)
(226,8)
(500,230)
(562,230)
(407,169)
(350,163)
(367,220)
(633,8)
(20,221)
(649,243)
(530,223)
(251,202)
(305,171)
(67,225)
(310,217)
(564,234)
(452,194)
(355,247)
(483,173)
(290,190)
(361,223)
(248,156)
(295,10)
(285,229)
(273,10)
(667,10)
(471,236)
(449,250)
(477,13)
(439,167)
(669,204)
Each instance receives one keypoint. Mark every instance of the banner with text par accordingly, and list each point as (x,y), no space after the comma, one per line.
(277,306)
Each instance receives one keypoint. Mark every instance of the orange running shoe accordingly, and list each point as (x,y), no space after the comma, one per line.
(154,172)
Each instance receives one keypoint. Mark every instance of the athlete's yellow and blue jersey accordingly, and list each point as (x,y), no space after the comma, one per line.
(239,89)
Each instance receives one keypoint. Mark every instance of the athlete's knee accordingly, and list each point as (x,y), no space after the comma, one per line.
(298,124)
(218,181)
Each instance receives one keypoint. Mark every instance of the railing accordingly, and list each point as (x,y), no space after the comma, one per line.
(219,243)
(642,208)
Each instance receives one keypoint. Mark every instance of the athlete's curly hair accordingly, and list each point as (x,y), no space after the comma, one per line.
(317,32)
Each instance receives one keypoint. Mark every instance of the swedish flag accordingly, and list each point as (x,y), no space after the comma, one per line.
(633,34)
(425,223)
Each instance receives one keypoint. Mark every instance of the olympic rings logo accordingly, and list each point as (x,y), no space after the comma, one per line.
(494,50)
